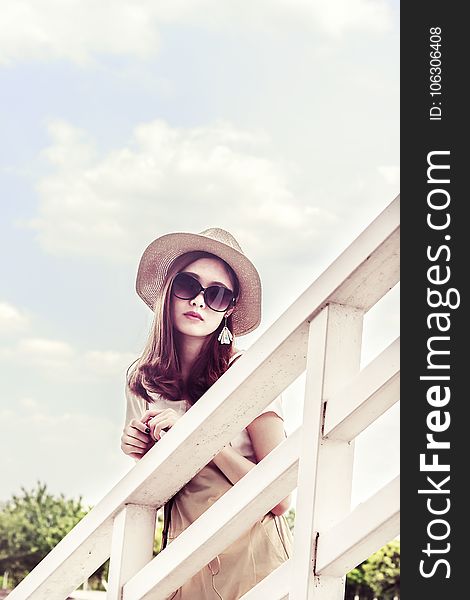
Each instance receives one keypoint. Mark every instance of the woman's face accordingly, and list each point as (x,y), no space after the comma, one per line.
(208,271)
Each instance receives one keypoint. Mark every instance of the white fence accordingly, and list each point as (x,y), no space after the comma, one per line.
(321,333)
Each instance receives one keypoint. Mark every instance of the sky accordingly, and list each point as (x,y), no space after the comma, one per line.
(124,121)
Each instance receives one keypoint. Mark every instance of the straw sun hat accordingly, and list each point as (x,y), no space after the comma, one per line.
(160,253)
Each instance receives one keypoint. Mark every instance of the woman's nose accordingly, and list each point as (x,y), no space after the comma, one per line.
(199,299)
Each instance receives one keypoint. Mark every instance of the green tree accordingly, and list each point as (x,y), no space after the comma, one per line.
(378,576)
(356,584)
(157,545)
(290,517)
(382,571)
(31,524)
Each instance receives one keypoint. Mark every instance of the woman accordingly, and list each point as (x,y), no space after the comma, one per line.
(203,291)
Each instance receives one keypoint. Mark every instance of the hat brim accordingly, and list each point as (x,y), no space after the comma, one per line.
(160,253)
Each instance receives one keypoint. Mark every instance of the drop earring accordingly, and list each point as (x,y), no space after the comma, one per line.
(225,336)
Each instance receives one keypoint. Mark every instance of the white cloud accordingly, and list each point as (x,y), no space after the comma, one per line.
(57,360)
(333,18)
(12,319)
(171,179)
(107,363)
(82,30)
(45,348)
(75,30)
(391,174)
(29,403)
(52,355)
(72,147)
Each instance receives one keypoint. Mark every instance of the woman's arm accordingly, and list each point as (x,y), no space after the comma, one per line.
(232,464)
(266,432)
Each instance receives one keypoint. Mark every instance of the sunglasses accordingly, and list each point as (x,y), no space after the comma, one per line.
(217,297)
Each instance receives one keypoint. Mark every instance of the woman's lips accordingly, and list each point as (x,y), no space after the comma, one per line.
(192,317)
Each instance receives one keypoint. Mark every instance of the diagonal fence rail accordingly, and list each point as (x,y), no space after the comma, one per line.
(321,334)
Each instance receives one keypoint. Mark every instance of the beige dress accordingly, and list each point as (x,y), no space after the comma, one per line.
(265,546)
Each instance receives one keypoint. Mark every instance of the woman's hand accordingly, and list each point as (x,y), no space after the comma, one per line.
(158,420)
(136,440)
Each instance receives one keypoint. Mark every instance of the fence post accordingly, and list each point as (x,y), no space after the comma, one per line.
(325,466)
(131,546)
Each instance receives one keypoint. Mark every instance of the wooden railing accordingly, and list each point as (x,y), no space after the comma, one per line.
(320,333)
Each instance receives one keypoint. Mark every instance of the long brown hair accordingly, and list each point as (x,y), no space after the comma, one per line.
(158,368)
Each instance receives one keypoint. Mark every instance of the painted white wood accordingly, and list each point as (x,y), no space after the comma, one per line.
(325,466)
(275,586)
(367,528)
(376,278)
(336,457)
(241,506)
(311,433)
(132,546)
(375,389)
(361,275)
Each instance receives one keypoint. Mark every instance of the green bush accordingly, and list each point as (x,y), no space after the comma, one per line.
(31,524)
(378,576)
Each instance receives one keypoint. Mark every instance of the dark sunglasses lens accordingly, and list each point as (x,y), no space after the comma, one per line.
(218,297)
(185,287)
